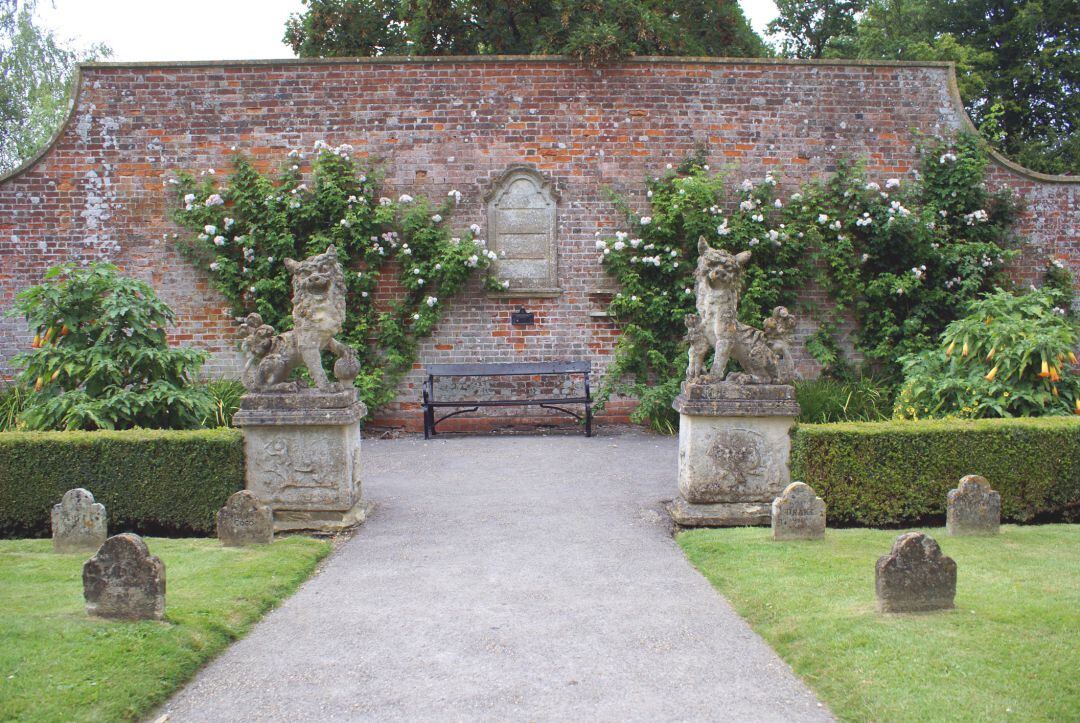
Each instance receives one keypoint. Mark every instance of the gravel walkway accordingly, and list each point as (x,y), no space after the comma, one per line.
(520,578)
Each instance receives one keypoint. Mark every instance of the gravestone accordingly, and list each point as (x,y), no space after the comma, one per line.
(244,521)
(124,581)
(973,508)
(915,576)
(798,514)
(78,523)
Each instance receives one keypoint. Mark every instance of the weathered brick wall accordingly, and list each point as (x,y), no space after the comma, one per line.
(440,124)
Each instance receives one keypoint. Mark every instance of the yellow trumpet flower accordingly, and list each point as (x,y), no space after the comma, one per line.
(1044,372)
(990,356)
(992,373)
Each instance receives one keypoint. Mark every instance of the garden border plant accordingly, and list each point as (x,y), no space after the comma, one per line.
(247,226)
(902,258)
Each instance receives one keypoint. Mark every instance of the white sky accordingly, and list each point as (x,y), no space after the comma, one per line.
(149,30)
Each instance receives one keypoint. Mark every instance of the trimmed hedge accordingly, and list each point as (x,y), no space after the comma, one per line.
(150,481)
(888,473)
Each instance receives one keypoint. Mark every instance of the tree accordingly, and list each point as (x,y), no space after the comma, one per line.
(807,27)
(35,70)
(594,31)
(1017,61)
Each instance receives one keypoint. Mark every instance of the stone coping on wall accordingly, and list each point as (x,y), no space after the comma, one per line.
(953,86)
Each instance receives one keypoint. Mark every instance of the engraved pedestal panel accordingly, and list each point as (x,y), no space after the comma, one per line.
(733,452)
(303,457)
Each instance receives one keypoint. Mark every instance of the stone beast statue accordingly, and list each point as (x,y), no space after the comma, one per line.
(764,355)
(318,311)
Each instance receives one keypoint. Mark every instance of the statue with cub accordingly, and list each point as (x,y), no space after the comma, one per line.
(318,284)
(764,355)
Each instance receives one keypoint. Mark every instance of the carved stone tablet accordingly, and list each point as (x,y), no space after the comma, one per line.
(973,508)
(915,576)
(78,523)
(521,230)
(798,514)
(123,580)
(243,521)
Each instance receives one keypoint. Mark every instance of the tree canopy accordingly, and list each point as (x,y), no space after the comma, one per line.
(35,70)
(594,31)
(1017,61)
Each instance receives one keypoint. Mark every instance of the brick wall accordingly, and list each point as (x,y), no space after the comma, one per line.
(440,124)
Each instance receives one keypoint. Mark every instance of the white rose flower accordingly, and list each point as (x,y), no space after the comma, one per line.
(646,220)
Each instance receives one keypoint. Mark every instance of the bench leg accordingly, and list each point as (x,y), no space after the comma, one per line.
(588,420)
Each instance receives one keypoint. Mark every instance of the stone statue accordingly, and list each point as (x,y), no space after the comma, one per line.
(318,312)
(763,354)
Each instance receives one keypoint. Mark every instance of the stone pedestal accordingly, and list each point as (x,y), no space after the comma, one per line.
(733,452)
(302,454)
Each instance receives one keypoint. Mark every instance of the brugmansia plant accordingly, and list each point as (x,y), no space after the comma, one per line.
(244,228)
(100,358)
(1010,356)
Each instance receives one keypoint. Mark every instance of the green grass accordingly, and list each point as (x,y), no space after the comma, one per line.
(1008,650)
(57,664)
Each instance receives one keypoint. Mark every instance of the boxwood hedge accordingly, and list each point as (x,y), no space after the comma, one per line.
(889,473)
(150,481)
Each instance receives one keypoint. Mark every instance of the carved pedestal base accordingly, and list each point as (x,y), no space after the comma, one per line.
(733,452)
(303,457)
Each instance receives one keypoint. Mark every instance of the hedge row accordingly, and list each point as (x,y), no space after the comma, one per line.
(153,482)
(887,473)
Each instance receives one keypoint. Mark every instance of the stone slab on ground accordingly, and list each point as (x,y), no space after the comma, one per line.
(520,578)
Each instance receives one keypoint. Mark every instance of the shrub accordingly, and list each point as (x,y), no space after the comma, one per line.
(890,473)
(12,401)
(1010,356)
(100,358)
(904,257)
(226,394)
(861,399)
(243,229)
(150,481)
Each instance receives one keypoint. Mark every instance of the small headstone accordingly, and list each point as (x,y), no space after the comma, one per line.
(973,508)
(798,514)
(78,523)
(123,580)
(244,521)
(915,576)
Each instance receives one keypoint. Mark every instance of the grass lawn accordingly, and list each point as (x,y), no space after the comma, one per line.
(1008,651)
(56,663)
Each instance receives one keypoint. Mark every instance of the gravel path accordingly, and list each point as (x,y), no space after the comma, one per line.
(520,578)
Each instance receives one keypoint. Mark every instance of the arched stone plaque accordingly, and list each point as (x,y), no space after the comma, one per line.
(521,217)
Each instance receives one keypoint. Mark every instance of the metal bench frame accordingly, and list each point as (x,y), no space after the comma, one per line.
(505,369)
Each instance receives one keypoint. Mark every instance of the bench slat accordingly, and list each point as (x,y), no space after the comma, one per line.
(508,369)
(511,402)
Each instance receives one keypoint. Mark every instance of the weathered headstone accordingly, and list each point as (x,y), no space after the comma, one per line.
(244,521)
(915,576)
(123,580)
(78,523)
(973,508)
(798,514)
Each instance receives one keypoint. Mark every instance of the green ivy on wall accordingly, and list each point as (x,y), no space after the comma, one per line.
(247,225)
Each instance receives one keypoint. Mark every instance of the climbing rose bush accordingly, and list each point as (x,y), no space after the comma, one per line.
(654,258)
(904,256)
(243,227)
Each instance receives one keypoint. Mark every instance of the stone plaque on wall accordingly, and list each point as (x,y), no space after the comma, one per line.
(521,231)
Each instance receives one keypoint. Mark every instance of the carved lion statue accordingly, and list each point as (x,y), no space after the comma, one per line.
(318,312)
(764,355)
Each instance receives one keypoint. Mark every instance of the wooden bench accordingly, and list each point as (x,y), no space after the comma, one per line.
(505,369)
